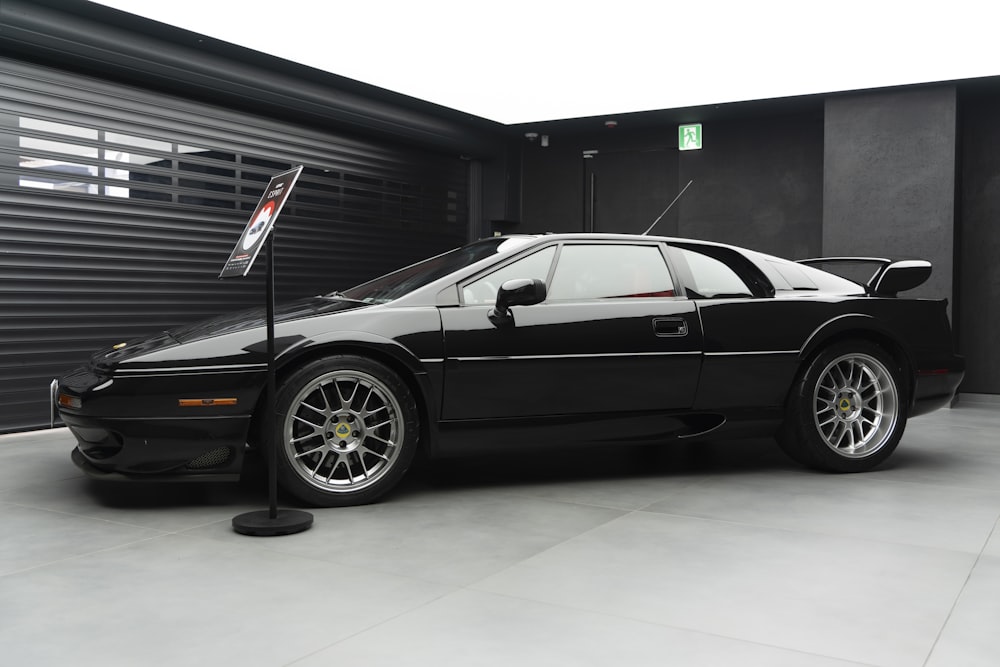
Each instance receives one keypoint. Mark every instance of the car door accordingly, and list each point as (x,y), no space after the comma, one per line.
(611,337)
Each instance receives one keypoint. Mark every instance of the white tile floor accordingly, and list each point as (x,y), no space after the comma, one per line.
(714,554)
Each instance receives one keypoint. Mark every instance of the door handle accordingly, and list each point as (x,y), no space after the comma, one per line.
(670,326)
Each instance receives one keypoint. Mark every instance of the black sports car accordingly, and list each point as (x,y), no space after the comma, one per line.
(528,341)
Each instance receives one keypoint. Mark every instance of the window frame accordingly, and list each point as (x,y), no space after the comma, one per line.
(755,279)
(679,288)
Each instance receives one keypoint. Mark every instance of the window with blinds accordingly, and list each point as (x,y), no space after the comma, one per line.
(119,206)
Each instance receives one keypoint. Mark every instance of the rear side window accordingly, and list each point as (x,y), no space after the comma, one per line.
(712,278)
(610,271)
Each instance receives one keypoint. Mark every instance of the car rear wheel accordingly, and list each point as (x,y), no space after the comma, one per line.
(348,428)
(846,412)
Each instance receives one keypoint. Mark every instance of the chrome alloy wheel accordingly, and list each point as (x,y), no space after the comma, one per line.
(343,431)
(856,405)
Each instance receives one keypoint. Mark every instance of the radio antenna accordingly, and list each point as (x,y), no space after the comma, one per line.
(668,207)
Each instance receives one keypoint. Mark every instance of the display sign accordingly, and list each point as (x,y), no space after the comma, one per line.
(689,137)
(260,225)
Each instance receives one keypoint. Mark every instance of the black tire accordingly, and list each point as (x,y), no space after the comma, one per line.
(348,431)
(847,410)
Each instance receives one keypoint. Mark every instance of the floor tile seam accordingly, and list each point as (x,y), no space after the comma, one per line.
(327,562)
(34,433)
(955,602)
(89,554)
(69,476)
(75,515)
(686,487)
(807,531)
(670,626)
(471,585)
(601,506)
(937,485)
(372,626)
(438,582)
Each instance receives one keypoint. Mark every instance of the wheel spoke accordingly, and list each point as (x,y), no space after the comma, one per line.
(314,408)
(378,455)
(858,374)
(304,438)
(361,460)
(827,422)
(319,464)
(387,422)
(388,443)
(377,410)
(321,390)
(364,404)
(301,420)
(312,451)
(333,468)
(346,401)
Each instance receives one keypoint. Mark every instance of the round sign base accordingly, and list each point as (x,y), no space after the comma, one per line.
(261,524)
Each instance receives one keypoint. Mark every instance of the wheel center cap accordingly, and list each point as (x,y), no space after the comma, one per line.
(342,435)
(848,405)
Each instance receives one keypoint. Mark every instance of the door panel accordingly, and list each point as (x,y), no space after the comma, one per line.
(590,357)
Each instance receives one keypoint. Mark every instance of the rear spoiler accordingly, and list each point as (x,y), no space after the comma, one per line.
(887,277)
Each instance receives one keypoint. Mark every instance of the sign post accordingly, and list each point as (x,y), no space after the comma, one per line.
(256,235)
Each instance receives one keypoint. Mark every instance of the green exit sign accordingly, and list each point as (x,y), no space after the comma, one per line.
(689,137)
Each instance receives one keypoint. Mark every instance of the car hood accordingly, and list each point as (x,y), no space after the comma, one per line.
(255,317)
(222,325)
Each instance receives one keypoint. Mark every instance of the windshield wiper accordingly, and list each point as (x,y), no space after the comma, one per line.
(341,295)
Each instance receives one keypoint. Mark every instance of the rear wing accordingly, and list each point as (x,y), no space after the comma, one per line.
(880,276)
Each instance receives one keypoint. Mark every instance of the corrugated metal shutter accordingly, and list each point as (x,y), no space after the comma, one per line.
(119,206)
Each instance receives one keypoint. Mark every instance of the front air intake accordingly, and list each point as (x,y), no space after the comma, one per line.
(212,459)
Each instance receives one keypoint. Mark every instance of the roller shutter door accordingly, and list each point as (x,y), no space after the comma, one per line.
(119,206)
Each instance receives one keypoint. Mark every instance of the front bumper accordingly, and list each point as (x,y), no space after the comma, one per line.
(141,426)
(146,448)
(92,471)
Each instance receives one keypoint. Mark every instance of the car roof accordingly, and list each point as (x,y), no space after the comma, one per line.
(596,236)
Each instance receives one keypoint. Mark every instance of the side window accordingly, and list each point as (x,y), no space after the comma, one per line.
(484,290)
(712,277)
(610,271)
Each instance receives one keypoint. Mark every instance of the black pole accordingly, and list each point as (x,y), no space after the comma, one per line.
(273,521)
(272,434)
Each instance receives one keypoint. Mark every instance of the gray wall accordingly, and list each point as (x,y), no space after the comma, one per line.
(978,319)
(889,178)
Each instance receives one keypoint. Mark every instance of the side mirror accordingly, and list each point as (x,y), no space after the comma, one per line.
(517,292)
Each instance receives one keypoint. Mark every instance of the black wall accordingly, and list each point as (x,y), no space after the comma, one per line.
(757,182)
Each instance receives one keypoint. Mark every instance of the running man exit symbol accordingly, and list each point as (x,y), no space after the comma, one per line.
(689,137)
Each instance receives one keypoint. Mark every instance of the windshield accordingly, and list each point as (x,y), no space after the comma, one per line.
(415,276)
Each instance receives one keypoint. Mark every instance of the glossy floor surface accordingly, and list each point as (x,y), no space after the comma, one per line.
(721,553)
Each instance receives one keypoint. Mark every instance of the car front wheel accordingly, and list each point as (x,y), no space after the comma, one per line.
(846,412)
(348,428)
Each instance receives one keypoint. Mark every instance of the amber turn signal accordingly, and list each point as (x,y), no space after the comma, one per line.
(205,402)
